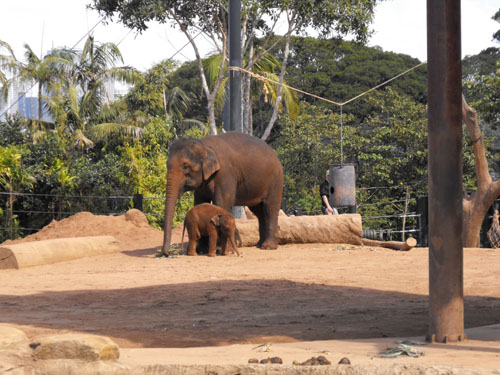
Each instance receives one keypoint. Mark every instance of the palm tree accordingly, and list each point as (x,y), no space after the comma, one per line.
(77,102)
(94,67)
(266,87)
(43,71)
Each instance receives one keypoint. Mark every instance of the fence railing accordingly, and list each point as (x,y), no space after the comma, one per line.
(33,211)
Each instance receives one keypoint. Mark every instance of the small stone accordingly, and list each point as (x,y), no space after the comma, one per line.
(296,363)
(253,360)
(344,361)
(76,346)
(277,360)
(323,361)
(265,360)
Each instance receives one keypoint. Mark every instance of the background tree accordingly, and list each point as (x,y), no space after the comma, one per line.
(155,96)
(211,18)
(306,147)
(13,177)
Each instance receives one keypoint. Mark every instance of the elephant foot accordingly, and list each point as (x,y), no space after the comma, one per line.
(211,254)
(268,245)
(192,253)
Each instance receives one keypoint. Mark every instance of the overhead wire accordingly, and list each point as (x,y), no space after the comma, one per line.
(340,104)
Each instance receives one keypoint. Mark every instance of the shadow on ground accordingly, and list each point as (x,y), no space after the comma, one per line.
(228,312)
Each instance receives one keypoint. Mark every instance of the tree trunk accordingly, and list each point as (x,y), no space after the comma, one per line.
(476,207)
(211,97)
(40,113)
(277,104)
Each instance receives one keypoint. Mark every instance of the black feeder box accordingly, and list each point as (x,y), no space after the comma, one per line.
(343,184)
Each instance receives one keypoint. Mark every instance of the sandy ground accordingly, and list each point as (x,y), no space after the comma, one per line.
(298,293)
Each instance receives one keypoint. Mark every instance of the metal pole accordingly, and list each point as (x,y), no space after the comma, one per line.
(235,60)
(446,303)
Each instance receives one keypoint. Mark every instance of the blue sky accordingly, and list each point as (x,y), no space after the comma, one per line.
(400,26)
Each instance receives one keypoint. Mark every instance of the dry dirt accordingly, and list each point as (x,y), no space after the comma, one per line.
(297,293)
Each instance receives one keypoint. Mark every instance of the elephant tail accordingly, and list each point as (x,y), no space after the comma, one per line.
(238,237)
(233,245)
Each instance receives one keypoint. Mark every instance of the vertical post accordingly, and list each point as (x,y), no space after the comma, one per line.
(446,304)
(235,60)
(137,200)
(235,78)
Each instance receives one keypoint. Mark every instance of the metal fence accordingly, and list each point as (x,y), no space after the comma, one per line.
(33,211)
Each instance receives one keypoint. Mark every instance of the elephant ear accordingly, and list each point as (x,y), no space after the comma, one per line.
(216,220)
(210,163)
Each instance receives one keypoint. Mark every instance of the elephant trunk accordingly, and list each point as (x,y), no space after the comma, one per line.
(174,191)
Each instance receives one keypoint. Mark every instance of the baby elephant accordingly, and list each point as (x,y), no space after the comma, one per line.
(206,219)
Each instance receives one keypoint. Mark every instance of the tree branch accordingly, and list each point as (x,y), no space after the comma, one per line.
(469,116)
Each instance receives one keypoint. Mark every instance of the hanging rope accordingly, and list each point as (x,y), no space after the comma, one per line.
(265,79)
(341,138)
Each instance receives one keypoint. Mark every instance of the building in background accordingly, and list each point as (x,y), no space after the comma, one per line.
(22,99)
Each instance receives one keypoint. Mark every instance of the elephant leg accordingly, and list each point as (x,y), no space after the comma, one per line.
(194,236)
(203,244)
(223,245)
(212,247)
(259,212)
(270,214)
(191,250)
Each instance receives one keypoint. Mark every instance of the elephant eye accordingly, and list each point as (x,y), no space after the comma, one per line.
(186,167)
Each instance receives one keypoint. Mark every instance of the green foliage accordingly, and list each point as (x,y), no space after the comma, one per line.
(485,91)
(339,71)
(306,148)
(146,164)
(14,176)
(394,146)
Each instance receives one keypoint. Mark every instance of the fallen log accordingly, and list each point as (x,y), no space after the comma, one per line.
(345,228)
(396,245)
(28,254)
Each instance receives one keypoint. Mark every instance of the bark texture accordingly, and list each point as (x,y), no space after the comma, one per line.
(476,206)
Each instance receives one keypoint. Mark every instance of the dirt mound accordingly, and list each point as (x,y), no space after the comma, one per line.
(131,229)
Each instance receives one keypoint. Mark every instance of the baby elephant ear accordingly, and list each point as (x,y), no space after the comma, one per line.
(216,220)
(210,163)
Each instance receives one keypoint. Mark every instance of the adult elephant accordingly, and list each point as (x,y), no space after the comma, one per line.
(231,169)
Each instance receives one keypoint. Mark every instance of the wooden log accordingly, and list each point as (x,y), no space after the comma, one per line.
(345,228)
(396,245)
(28,254)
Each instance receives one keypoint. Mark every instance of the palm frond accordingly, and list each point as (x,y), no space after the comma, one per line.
(193,122)
(177,102)
(125,74)
(106,131)
(8,48)
(81,141)
(212,67)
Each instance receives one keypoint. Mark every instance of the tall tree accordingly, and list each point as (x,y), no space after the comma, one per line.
(258,17)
